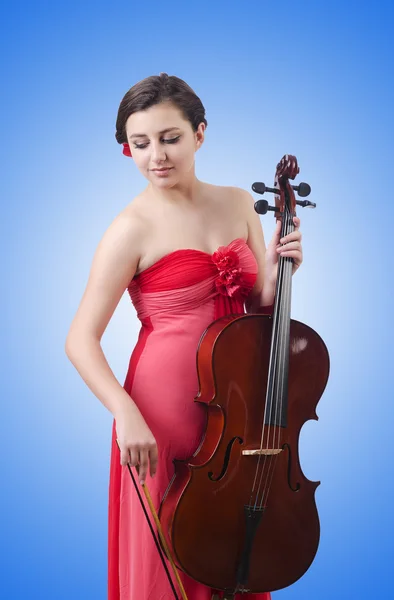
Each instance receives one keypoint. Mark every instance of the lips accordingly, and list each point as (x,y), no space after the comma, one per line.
(165,169)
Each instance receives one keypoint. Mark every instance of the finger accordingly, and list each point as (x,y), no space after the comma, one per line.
(276,234)
(153,458)
(134,457)
(144,461)
(124,455)
(295,235)
(295,254)
(297,222)
(289,246)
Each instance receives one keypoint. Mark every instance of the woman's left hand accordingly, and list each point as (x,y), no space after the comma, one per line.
(289,245)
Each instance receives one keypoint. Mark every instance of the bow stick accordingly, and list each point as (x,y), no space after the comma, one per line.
(160,531)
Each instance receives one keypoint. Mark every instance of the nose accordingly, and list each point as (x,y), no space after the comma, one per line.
(158,152)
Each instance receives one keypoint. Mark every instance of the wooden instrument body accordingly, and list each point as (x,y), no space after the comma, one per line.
(202,511)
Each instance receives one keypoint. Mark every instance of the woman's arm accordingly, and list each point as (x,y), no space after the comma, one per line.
(263,292)
(114,265)
(261,298)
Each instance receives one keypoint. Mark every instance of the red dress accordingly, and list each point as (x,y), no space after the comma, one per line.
(175,299)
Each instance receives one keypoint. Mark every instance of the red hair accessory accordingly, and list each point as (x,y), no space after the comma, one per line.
(126,150)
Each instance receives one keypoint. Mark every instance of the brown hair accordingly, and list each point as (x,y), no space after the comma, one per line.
(154,90)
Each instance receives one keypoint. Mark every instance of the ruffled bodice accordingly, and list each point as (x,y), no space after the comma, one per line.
(185,279)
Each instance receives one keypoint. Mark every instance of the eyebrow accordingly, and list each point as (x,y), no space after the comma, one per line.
(144,134)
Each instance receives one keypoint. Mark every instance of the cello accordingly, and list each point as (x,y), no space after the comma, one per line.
(239,515)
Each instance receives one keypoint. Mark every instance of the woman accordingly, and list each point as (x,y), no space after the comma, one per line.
(188,252)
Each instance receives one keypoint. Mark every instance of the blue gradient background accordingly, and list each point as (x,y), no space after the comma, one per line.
(308,78)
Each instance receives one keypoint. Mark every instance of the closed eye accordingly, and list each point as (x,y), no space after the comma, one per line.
(168,141)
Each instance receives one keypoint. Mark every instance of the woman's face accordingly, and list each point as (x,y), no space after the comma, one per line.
(161,138)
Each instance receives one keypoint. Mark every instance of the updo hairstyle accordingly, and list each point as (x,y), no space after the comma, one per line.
(155,90)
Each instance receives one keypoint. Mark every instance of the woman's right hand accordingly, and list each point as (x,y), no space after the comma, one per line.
(136,442)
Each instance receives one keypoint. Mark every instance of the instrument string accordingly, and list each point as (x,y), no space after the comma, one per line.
(285,330)
(280,342)
(269,395)
(284,342)
(275,406)
(279,370)
(272,377)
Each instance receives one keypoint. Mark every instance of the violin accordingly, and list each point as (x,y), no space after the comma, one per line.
(239,515)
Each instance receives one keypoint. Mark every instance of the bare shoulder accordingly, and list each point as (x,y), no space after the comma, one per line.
(243,198)
(245,201)
(124,235)
(114,264)
(238,196)
(231,199)
(224,191)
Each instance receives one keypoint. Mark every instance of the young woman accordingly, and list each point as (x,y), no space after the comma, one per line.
(188,252)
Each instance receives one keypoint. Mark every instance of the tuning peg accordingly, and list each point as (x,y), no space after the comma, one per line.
(306,203)
(262,207)
(260,188)
(302,189)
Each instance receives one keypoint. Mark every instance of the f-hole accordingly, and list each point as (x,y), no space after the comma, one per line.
(226,459)
(297,486)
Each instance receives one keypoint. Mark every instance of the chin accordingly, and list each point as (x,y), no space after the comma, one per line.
(163,182)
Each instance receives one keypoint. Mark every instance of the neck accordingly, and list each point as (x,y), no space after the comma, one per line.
(185,192)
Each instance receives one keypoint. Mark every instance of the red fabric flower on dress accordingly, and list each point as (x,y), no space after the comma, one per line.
(229,281)
(126,150)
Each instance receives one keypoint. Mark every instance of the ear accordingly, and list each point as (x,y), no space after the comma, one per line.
(200,135)
(126,150)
